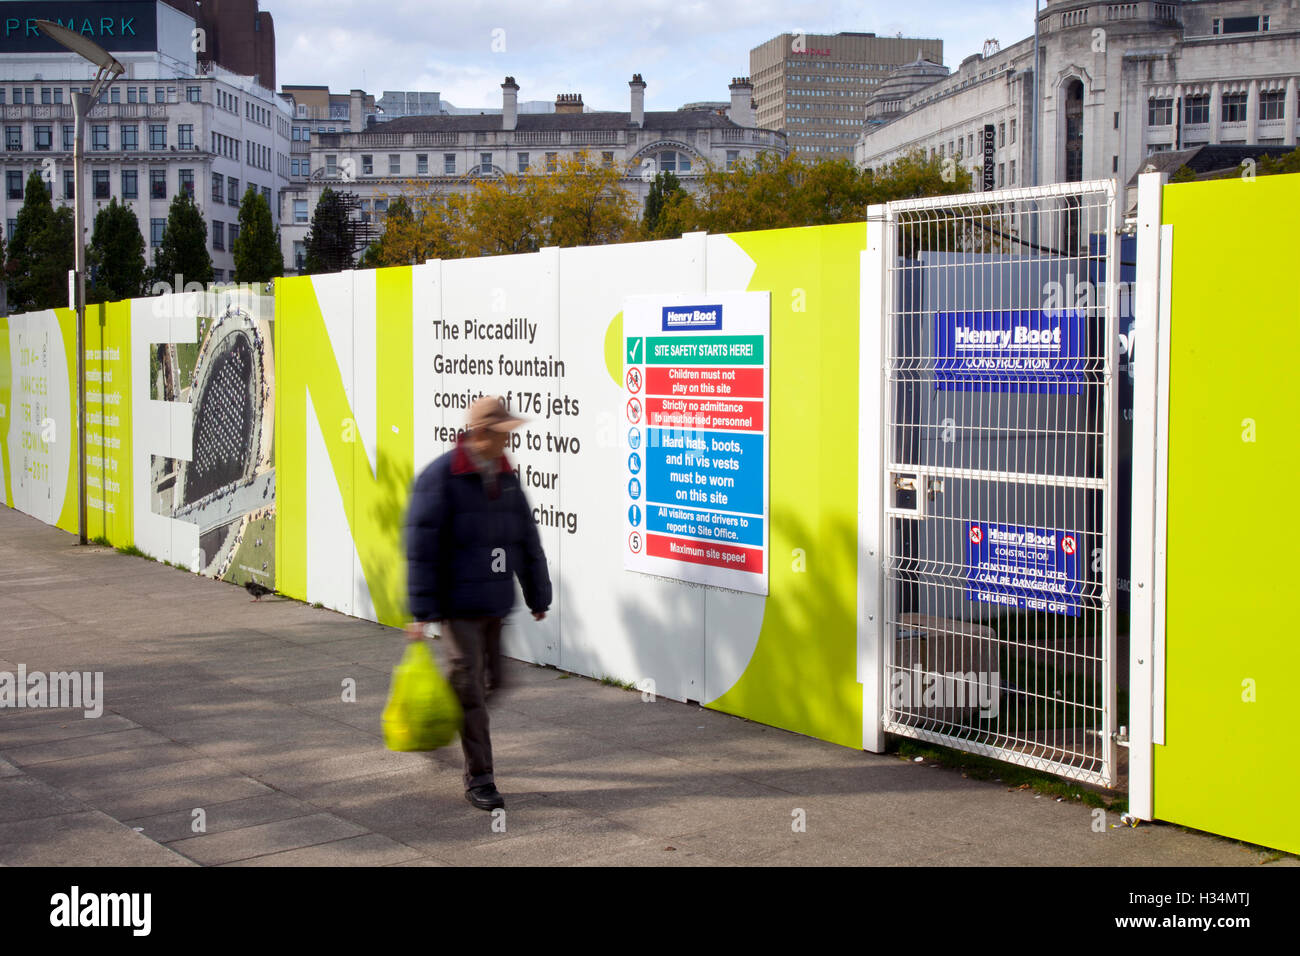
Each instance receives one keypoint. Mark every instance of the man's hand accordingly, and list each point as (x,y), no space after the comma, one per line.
(415,630)
(538,615)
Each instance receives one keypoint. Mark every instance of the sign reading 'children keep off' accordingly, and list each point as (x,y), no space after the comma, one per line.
(695,406)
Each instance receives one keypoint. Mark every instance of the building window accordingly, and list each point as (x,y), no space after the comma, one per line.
(130,184)
(1272,104)
(69,138)
(156,227)
(331,164)
(157,136)
(45,96)
(1160,112)
(673,162)
(422,163)
(130,95)
(300,210)
(99,181)
(1013,138)
(69,184)
(485,161)
(130,138)
(218,188)
(299,255)
(187,182)
(522,162)
(99,137)
(185,136)
(234,233)
(394,163)
(191,94)
(607,159)
(449,163)
(733,157)
(1002,135)
(1196,109)
(1011,171)
(1234,108)
(159,95)
(157,184)
(44,137)
(381,207)
(367,163)
(266,194)
(218,235)
(1002,175)
(14,186)
(232,191)
(13,137)
(552,161)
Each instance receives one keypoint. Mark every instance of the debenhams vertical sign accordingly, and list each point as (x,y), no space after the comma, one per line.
(116,25)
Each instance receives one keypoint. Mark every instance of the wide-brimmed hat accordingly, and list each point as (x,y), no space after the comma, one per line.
(490,412)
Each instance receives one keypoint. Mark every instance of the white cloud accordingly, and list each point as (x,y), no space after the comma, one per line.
(686,51)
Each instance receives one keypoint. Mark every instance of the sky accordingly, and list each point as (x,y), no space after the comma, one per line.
(686,50)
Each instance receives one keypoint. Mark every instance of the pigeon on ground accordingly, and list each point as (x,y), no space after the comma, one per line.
(258,590)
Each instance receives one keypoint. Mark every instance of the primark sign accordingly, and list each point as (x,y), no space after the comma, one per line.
(120,26)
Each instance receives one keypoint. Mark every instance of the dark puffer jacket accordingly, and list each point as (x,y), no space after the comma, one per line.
(463,546)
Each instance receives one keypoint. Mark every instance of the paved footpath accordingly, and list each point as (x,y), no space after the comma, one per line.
(230,713)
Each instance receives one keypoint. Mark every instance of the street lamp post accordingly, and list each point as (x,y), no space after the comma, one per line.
(109,69)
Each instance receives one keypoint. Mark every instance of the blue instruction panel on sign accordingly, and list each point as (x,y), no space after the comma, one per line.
(1020,567)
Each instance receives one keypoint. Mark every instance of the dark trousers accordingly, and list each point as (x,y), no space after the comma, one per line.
(474,653)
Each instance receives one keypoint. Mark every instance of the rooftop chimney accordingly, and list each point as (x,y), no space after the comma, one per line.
(742,101)
(638,99)
(568,103)
(509,103)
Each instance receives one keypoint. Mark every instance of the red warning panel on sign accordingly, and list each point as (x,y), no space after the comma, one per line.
(726,382)
(705,552)
(710,413)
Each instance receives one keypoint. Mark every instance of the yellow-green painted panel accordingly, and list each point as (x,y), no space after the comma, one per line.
(803,675)
(1232,658)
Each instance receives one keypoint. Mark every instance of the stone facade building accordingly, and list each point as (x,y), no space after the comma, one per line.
(1120,81)
(171,122)
(449,153)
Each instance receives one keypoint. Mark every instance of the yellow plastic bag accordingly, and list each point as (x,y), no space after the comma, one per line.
(422,712)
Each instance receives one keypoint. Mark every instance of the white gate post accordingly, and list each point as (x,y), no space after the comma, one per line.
(1146,671)
(871,419)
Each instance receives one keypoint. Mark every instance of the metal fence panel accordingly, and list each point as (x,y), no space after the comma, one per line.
(1000,340)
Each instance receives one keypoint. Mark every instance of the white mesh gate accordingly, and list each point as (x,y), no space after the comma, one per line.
(999,449)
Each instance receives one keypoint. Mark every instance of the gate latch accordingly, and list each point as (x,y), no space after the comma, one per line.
(905,498)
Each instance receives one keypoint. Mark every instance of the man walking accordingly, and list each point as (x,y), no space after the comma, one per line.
(469,531)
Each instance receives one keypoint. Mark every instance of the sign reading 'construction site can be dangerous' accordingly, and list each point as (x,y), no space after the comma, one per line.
(695,403)
(1036,569)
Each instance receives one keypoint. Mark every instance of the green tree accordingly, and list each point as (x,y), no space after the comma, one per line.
(184,249)
(332,237)
(584,203)
(258,256)
(665,190)
(41,251)
(116,255)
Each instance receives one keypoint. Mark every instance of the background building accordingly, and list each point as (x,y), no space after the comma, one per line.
(169,123)
(813,87)
(1119,82)
(448,153)
(237,35)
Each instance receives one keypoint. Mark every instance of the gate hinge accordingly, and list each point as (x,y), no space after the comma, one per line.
(1121,738)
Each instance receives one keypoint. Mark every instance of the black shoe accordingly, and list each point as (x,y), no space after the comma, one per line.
(485,797)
